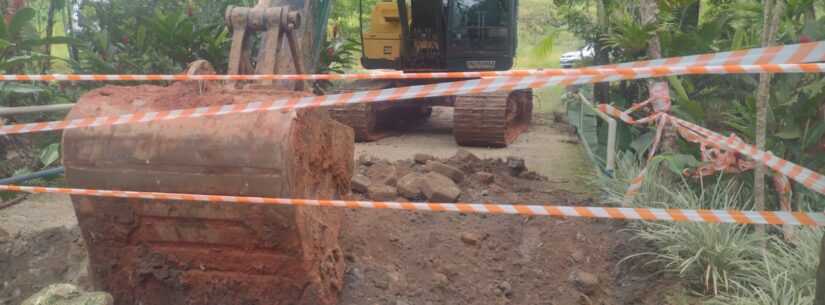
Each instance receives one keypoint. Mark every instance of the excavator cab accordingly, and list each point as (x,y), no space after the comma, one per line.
(448,35)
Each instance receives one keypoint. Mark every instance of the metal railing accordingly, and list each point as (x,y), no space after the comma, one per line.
(610,158)
(9,111)
(586,109)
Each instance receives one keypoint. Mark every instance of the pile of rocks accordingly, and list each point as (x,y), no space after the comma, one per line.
(426,178)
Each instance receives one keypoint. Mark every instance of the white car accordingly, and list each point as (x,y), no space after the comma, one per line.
(567,60)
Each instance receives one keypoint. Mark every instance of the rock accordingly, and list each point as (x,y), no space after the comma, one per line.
(403,168)
(504,288)
(465,157)
(381,284)
(585,282)
(360,183)
(446,170)
(382,173)
(439,188)
(381,192)
(410,186)
(531,175)
(401,302)
(354,275)
(349,257)
(577,256)
(440,280)
(471,239)
(484,177)
(422,158)
(366,160)
(522,188)
(67,294)
(516,165)
(4,236)
(396,279)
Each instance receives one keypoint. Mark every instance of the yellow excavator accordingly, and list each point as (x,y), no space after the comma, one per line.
(441,35)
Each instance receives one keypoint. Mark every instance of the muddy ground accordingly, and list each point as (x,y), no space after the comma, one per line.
(412,258)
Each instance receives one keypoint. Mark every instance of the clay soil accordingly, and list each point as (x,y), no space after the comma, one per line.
(452,258)
(417,258)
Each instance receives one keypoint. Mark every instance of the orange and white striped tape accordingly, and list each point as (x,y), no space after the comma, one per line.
(648,214)
(652,71)
(391,94)
(777,59)
(483,85)
(810,179)
(794,53)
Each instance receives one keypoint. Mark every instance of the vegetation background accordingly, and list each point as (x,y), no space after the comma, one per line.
(716,264)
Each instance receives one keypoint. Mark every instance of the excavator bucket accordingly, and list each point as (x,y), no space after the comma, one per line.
(145,251)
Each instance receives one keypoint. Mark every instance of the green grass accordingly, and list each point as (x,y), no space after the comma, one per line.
(547,99)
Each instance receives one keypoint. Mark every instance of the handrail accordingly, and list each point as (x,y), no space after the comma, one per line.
(610,159)
(9,111)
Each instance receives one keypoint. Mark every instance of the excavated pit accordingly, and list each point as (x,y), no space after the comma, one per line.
(166,252)
(403,257)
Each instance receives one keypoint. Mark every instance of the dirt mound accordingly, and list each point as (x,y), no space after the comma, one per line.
(463,177)
(402,257)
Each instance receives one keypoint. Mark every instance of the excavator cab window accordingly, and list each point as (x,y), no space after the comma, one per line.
(480,24)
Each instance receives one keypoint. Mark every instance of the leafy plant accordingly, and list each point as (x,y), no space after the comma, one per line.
(713,257)
(629,36)
(50,154)
(18,42)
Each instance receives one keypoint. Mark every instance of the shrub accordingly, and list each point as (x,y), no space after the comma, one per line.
(728,262)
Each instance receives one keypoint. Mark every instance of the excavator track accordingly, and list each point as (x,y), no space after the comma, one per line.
(373,121)
(361,117)
(492,119)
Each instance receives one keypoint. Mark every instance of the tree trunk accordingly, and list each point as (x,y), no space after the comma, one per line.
(769,28)
(47,63)
(601,91)
(810,13)
(649,11)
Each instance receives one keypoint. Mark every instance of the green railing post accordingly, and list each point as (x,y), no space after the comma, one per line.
(820,276)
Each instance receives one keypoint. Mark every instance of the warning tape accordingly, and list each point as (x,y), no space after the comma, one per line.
(473,86)
(601,71)
(777,59)
(647,214)
(810,179)
(794,53)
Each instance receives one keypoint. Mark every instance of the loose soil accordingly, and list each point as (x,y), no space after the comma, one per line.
(412,258)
